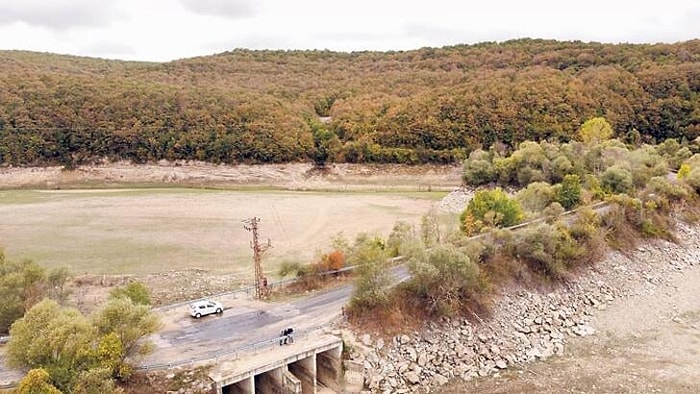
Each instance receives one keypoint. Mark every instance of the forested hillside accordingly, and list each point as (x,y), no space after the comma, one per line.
(427,105)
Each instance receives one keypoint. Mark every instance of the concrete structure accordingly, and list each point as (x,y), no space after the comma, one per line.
(306,366)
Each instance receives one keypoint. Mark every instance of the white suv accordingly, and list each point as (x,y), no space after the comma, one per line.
(205,307)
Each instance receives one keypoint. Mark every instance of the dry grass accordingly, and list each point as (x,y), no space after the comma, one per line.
(141,231)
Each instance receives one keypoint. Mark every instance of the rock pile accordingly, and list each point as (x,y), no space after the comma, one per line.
(455,201)
(525,326)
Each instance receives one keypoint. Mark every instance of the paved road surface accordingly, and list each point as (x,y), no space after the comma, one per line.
(247,323)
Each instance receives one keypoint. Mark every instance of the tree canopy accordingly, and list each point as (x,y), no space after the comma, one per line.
(428,105)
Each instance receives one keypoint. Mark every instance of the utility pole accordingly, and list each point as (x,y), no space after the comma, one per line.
(260,280)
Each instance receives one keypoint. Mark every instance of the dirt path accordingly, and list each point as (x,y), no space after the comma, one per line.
(647,342)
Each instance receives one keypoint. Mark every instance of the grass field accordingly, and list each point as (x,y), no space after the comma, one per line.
(137,231)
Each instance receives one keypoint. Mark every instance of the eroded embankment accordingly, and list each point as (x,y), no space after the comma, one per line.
(528,325)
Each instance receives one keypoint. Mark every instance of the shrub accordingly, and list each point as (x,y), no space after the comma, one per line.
(448,280)
(621,234)
(547,250)
(372,283)
(561,166)
(287,268)
(494,208)
(402,232)
(569,192)
(430,228)
(478,169)
(36,381)
(135,291)
(22,284)
(553,212)
(592,184)
(617,180)
(526,175)
(334,260)
(693,179)
(536,196)
(673,152)
(663,187)
(645,163)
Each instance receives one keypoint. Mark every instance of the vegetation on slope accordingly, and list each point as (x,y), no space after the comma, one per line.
(456,264)
(428,105)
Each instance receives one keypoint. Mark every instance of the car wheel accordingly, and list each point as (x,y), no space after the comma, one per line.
(197,316)
(218,311)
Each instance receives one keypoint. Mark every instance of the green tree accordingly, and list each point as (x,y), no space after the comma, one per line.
(129,322)
(373,280)
(21,286)
(595,130)
(55,338)
(494,208)
(326,143)
(56,284)
(402,233)
(135,291)
(569,192)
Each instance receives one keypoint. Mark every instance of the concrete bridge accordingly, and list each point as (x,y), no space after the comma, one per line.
(306,366)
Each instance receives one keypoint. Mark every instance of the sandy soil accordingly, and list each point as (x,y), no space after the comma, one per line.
(294,176)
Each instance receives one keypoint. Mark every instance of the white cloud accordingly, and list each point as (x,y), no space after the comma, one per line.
(169,29)
(222,8)
(59,15)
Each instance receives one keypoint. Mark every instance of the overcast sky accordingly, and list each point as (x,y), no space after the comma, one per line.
(161,30)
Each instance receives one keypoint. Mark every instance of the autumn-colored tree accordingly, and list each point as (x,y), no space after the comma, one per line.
(494,208)
(595,130)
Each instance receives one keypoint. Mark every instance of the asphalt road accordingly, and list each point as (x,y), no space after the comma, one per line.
(240,328)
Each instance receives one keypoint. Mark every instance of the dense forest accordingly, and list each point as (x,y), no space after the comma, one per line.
(423,106)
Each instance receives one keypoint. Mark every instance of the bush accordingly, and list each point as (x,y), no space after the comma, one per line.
(673,152)
(96,381)
(135,291)
(569,192)
(617,180)
(494,208)
(402,232)
(293,268)
(36,381)
(373,280)
(535,197)
(448,280)
(693,179)
(553,212)
(663,187)
(547,250)
(21,286)
(478,169)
